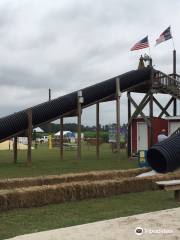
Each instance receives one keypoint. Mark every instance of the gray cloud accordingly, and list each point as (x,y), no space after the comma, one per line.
(67,45)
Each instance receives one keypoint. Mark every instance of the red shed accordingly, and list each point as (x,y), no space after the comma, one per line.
(140,133)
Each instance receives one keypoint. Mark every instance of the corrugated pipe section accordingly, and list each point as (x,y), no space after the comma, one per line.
(164,157)
(47,111)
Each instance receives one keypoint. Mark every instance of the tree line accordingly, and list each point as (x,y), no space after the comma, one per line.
(54,127)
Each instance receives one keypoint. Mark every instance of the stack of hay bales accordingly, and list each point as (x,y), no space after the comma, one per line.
(8,145)
(71,177)
(45,191)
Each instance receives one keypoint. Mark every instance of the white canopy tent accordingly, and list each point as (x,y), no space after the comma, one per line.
(38,130)
(64,133)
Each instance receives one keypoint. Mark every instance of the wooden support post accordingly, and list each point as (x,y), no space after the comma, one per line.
(138,110)
(97,130)
(79,111)
(29,114)
(49,127)
(177,195)
(174,75)
(175,107)
(118,94)
(151,118)
(174,62)
(129,127)
(15,149)
(61,139)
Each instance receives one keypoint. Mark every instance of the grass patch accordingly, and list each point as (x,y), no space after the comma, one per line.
(47,162)
(21,221)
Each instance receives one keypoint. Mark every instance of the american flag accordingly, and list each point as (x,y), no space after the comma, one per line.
(166,35)
(141,44)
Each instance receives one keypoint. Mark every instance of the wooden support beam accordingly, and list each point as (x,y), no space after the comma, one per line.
(61,139)
(139,109)
(174,107)
(174,75)
(160,106)
(166,107)
(151,118)
(177,195)
(15,149)
(129,126)
(174,62)
(29,131)
(49,127)
(79,111)
(97,130)
(118,94)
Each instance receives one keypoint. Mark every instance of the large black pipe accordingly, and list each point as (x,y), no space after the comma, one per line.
(164,157)
(44,112)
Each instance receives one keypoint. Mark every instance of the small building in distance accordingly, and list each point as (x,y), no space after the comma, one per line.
(140,132)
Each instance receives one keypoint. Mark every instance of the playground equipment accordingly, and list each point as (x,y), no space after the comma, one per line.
(146,80)
(66,106)
(165,156)
(17,123)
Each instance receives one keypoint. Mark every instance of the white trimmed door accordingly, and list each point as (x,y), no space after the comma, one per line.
(142,136)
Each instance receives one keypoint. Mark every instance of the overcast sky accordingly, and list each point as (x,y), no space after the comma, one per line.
(66,45)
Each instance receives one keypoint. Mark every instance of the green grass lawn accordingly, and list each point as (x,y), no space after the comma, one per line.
(21,221)
(45,162)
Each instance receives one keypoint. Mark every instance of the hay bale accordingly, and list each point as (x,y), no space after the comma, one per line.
(57,179)
(36,196)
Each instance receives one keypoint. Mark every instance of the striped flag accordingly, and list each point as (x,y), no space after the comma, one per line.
(141,44)
(166,35)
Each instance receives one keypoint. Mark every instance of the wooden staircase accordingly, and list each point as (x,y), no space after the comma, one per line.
(169,84)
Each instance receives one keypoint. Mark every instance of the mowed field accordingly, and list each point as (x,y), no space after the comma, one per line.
(47,162)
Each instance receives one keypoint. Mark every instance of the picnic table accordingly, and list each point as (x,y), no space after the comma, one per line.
(171,185)
(70,146)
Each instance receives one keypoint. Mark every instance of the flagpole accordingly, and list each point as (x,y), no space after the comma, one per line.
(149,51)
(174,75)
(172,38)
(173,43)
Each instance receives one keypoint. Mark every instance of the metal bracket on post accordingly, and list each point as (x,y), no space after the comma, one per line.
(118,95)
(80,100)
(29,115)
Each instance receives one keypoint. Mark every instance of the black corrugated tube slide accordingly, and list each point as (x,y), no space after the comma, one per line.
(164,157)
(14,123)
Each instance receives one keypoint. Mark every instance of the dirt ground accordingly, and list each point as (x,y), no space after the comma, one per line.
(156,225)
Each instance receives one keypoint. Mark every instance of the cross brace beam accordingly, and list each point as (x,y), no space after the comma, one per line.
(164,110)
(160,106)
(139,109)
